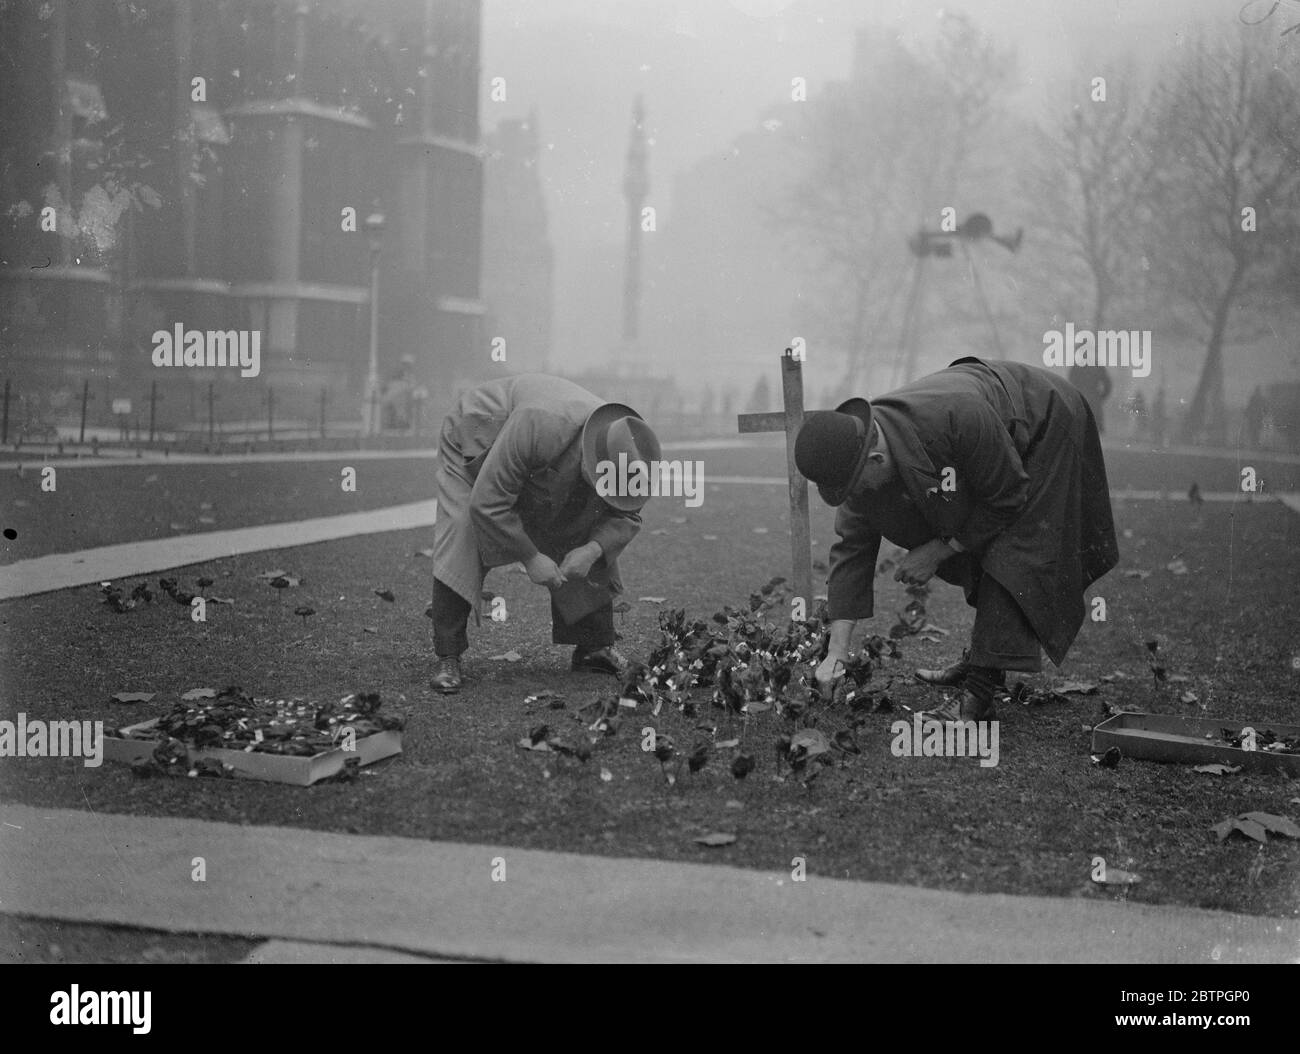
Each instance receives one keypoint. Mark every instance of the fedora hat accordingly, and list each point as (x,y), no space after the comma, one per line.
(832,446)
(610,430)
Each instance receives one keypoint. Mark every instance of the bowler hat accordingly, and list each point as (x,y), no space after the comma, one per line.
(832,446)
(612,430)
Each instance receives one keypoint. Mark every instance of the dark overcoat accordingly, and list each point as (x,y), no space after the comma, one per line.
(510,483)
(1028,496)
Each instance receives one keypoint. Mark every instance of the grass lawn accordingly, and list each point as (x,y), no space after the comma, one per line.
(1030,825)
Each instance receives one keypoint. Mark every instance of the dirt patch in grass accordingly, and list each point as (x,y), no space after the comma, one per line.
(25,940)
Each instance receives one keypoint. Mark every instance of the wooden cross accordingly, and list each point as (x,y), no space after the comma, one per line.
(788,421)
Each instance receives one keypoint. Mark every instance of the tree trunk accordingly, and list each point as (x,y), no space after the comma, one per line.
(857,339)
(1207,410)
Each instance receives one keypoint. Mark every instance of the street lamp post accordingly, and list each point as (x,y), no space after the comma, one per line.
(374,224)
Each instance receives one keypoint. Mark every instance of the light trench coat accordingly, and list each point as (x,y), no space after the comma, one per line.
(510,484)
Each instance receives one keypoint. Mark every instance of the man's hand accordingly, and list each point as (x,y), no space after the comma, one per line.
(578,562)
(831,670)
(919,565)
(544,571)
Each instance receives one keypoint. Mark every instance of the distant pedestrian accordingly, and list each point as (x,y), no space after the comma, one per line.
(1138,407)
(1253,421)
(1159,420)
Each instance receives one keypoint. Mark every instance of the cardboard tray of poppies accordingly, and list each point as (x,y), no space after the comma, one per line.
(1200,741)
(279,741)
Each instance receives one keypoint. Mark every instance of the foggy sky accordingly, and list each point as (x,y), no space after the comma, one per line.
(708,69)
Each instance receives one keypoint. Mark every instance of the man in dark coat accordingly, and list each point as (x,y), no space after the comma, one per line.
(991,475)
(517,482)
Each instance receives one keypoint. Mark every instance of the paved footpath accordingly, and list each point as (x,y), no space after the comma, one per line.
(45,574)
(408,897)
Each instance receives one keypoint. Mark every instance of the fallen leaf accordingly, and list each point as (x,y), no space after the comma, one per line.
(845,741)
(809,742)
(369,629)
(221,600)
(742,765)
(509,656)
(1076,688)
(709,537)
(1187,698)
(178,526)
(1177,567)
(199,693)
(427,553)
(727,744)
(385,594)
(1249,828)
(679,519)
(652,600)
(266,576)
(1274,824)
(131,697)
(1136,573)
(207,519)
(760,530)
(659,530)
(1216,768)
(606,775)
(715,839)
(528,744)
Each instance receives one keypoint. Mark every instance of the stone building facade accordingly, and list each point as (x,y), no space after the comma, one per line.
(197,162)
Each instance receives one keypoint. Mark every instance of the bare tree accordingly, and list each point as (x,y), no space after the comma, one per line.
(878,154)
(1225,190)
(1089,185)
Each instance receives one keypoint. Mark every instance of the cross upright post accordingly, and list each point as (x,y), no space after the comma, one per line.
(789,421)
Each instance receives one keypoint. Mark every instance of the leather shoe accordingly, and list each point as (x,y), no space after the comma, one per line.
(966,707)
(954,676)
(599,660)
(446,677)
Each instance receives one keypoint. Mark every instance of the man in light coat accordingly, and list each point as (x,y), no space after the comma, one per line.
(991,475)
(519,463)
